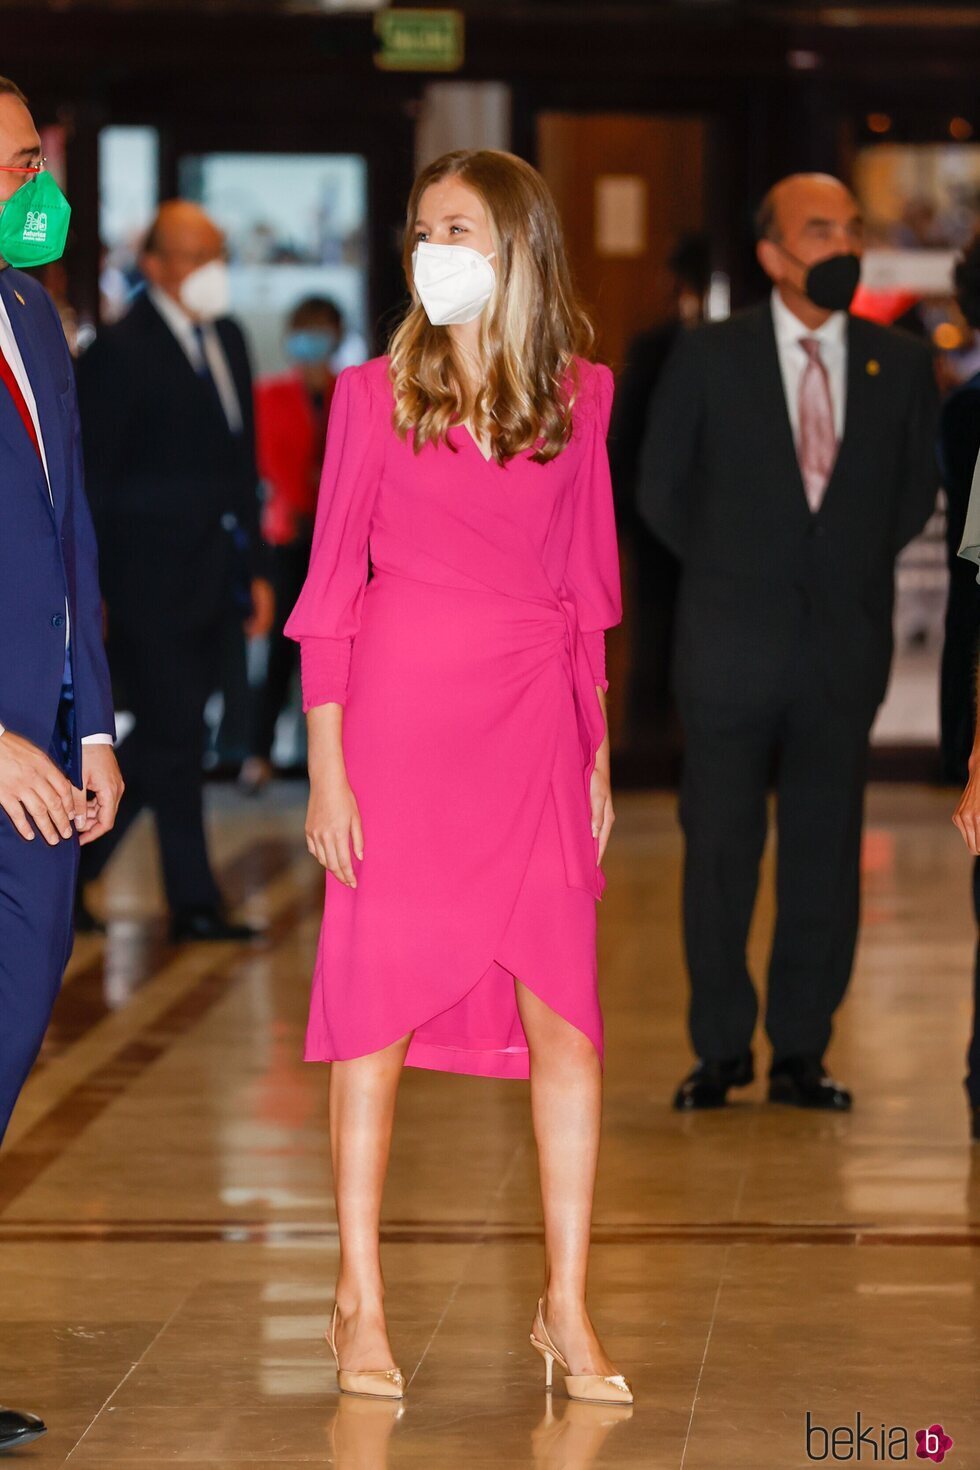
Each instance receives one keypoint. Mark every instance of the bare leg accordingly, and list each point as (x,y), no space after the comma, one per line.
(566,1110)
(363,1092)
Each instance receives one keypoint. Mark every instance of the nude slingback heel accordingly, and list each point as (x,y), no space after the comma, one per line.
(589,1388)
(374,1383)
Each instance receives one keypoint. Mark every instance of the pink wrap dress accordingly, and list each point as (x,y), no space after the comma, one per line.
(468,668)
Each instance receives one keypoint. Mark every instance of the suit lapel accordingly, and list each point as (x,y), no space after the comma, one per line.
(161,328)
(773,404)
(206,392)
(15,441)
(236,367)
(44,388)
(859,400)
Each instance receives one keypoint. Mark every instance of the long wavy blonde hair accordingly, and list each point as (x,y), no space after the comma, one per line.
(530,331)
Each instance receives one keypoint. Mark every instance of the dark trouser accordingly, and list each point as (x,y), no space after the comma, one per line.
(821,756)
(289,566)
(233,737)
(168,677)
(654,587)
(973,1056)
(37,891)
(958,673)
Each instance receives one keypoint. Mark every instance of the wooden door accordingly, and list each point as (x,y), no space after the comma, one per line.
(627,187)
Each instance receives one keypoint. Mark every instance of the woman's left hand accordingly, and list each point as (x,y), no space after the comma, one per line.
(603,816)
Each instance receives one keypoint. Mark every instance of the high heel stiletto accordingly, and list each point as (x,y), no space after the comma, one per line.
(589,1388)
(374,1383)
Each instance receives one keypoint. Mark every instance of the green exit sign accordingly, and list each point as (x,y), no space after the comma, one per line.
(419,40)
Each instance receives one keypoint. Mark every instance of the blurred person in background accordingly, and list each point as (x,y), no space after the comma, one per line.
(59,781)
(655,569)
(790,456)
(290,428)
(167,429)
(959,451)
(351,349)
(959,446)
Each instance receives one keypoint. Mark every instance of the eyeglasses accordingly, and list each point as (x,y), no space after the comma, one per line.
(32,168)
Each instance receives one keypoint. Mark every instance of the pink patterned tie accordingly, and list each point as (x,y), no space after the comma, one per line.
(817,446)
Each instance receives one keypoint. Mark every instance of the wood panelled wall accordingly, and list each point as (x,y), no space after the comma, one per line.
(625,293)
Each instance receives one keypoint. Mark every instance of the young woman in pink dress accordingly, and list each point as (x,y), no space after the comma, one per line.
(458,751)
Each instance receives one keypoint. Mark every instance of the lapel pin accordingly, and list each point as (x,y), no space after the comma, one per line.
(872,367)
(20,298)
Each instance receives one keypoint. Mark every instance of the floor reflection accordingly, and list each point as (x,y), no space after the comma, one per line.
(571,1438)
(360,1430)
(568,1437)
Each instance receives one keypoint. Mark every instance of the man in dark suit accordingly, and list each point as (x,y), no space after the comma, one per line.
(789,457)
(959,453)
(167,429)
(55,702)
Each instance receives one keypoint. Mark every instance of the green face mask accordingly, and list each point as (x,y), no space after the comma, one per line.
(34,222)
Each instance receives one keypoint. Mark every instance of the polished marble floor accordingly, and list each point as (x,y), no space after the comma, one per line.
(167,1237)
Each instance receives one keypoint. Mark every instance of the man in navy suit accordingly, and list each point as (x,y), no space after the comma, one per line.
(59,782)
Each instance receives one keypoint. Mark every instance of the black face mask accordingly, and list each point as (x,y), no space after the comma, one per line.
(831,283)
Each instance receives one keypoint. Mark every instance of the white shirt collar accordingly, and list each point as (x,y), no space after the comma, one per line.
(789,328)
(172,312)
(183,327)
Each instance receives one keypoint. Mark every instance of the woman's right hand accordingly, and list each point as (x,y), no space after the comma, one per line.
(333,822)
(967,815)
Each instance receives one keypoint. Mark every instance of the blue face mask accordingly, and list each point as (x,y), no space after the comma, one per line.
(311,346)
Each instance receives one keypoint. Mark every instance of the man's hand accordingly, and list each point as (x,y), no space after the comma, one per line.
(102,777)
(264,608)
(31,786)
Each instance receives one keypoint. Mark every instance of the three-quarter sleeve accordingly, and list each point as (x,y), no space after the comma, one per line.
(592,573)
(327,613)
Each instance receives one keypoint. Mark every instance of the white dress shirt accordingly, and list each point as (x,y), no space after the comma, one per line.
(11,351)
(832,337)
(182,327)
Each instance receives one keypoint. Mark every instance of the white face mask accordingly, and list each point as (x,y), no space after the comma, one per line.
(206,292)
(454,282)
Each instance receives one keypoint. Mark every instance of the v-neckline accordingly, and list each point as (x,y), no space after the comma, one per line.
(473,440)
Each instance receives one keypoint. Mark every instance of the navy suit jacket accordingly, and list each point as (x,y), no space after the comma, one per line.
(47,551)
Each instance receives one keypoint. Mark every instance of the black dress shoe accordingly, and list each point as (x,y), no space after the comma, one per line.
(17,1429)
(85,920)
(802,1082)
(707,1085)
(209,925)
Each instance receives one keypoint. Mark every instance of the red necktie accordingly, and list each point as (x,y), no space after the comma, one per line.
(20,402)
(817,447)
